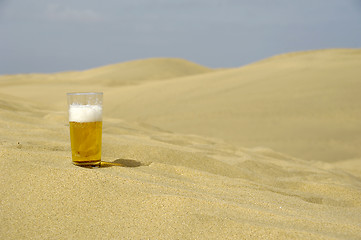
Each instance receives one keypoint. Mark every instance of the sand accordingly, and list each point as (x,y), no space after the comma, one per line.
(265,151)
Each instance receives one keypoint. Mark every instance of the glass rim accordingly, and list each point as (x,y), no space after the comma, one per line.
(84,93)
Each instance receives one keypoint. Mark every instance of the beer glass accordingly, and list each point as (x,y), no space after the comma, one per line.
(85,122)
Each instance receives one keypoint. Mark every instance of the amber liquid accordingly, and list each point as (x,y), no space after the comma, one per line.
(86,143)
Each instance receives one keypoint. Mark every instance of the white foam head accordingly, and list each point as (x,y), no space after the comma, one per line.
(85,113)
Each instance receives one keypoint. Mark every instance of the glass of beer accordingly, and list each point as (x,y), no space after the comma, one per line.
(85,121)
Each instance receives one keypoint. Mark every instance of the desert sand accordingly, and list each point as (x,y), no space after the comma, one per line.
(270,150)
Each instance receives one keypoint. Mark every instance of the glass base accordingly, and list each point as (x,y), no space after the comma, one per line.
(89,164)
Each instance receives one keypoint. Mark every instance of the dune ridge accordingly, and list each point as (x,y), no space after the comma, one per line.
(132,72)
(181,179)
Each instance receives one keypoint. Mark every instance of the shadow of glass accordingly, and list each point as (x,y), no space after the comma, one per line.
(121,162)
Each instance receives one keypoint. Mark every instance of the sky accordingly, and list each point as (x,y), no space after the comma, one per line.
(44,36)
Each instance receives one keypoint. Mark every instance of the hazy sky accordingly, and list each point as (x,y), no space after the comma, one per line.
(54,35)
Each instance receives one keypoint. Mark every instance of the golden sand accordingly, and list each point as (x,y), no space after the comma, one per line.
(266,151)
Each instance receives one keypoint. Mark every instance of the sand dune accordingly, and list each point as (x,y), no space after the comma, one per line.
(140,71)
(196,153)
(304,104)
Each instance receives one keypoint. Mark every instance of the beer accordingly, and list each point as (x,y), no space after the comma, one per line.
(85,123)
(86,142)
